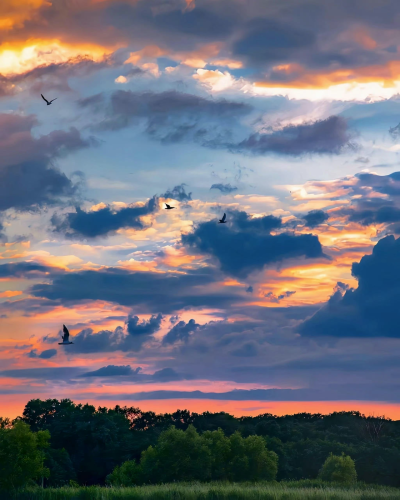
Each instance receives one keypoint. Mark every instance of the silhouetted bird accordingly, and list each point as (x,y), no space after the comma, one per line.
(65,337)
(223,220)
(48,102)
(168,207)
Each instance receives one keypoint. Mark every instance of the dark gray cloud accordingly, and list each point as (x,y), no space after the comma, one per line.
(224,188)
(112,371)
(170,116)
(336,392)
(24,270)
(180,332)
(163,375)
(164,292)
(367,208)
(165,108)
(315,217)
(81,224)
(248,349)
(137,333)
(245,245)
(268,41)
(370,310)
(54,373)
(136,327)
(375,211)
(47,354)
(28,177)
(178,193)
(329,136)
(277,298)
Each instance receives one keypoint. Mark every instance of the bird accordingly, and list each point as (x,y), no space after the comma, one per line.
(65,337)
(168,207)
(48,102)
(223,220)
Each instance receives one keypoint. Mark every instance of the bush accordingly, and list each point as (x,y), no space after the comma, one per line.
(127,474)
(338,469)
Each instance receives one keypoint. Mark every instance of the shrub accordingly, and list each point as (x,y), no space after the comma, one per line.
(339,469)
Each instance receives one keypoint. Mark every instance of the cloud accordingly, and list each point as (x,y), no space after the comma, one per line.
(248,349)
(28,177)
(178,193)
(163,375)
(53,373)
(112,371)
(329,136)
(250,244)
(337,392)
(140,331)
(164,292)
(55,76)
(315,217)
(276,299)
(81,224)
(224,188)
(370,310)
(172,116)
(137,327)
(47,354)
(180,332)
(24,270)
(268,40)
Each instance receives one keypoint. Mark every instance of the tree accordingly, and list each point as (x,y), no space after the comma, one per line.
(96,440)
(250,460)
(187,456)
(338,469)
(60,466)
(178,456)
(22,455)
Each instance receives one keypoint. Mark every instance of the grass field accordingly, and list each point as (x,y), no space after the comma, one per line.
(281,491)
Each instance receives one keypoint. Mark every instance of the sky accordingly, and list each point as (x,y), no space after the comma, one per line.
(283,115)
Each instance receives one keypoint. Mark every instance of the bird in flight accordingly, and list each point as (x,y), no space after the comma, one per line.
(65,337)
(48,102)
(168,207)
(223,220)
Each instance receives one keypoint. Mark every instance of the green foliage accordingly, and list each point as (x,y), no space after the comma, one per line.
(96,440)
(128,474)
(99,439)
(60,467)
(188,456)
(338,469)
(22,455)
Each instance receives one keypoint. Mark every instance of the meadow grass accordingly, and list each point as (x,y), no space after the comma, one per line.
(299,490)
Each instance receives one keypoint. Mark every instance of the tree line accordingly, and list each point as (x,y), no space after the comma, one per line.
(80,443)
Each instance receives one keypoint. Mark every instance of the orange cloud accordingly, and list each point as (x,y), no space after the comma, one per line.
(20,57)
(299,77)
(10,293)
(15,12)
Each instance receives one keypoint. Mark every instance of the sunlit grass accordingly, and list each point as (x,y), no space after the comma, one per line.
(296,490)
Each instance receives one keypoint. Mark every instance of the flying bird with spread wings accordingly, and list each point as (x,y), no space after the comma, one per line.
(168,207)
(48,102)
(65,337)
(223,220)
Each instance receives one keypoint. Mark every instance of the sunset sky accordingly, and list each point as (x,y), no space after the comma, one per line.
(283,115)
